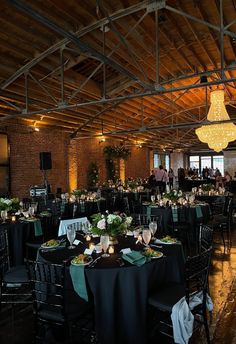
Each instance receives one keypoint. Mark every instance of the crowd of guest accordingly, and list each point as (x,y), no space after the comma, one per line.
(160,177)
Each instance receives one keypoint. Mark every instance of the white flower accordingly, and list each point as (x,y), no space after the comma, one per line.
(175,192)
(101,224)
(111,218)
(128,220)
(7,201)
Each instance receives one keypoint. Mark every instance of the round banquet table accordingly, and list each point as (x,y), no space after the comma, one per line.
(120,292)
(19,233)
(166,216)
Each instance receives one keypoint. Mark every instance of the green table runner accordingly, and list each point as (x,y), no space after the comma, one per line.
(78,280)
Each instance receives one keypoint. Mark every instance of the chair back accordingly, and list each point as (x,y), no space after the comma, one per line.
(77,222)
(196,273)
(47,286)
(205,237)
(4,252)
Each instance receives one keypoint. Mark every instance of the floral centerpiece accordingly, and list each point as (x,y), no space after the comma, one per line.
(110,224)
(173,195)
(207,187)
(79,193)
(9,204)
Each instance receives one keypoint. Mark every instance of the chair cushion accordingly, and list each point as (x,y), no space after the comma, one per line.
(17,274)
(165,298)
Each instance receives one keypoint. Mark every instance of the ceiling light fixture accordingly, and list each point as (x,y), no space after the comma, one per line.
(217,136)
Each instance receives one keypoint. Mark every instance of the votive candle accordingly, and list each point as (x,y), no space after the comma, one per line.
(13,218)
(111,249)
(91,246)
(88,237)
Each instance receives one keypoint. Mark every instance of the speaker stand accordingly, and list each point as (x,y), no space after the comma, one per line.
(46,185)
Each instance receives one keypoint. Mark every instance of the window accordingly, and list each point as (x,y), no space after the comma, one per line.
(161,159)
(211,161)
(155,160)
(167,162)
(194,161)
(206,162)
(218,162)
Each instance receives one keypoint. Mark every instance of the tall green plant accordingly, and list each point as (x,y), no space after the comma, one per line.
(110,167)
(92,174)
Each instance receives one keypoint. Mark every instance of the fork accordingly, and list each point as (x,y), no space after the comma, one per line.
(94,262)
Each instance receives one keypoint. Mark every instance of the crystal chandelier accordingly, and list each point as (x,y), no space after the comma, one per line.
(217,136)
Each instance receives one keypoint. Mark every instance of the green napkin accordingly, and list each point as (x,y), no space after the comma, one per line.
(78,280)
(149,213)
(135,258)
(82,206)
(37,228)
(199,211)
(63,206)
(174,214)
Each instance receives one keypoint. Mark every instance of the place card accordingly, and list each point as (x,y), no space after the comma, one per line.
(76,242)
(98,248)
(95,236)
(88,251)
(130,233)
(125,250)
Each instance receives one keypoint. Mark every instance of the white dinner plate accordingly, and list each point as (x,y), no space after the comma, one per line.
(158,241)
(48,247)
(82,264)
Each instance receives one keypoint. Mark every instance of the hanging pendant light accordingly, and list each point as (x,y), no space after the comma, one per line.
(217,136)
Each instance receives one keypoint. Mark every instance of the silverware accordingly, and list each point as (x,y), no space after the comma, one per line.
(152,245)
(94,262)
(120,262)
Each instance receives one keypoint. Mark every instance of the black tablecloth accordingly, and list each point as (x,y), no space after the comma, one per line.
(192,219)
(81,209)
(18,234)
(120,293)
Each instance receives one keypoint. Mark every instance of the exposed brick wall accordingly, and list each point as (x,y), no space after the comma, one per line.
(91,150)
(25,147)
(69,158)
(138,165)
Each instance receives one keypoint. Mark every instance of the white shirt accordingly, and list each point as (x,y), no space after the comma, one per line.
(160,175)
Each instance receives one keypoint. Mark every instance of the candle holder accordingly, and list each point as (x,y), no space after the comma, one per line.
(111,249)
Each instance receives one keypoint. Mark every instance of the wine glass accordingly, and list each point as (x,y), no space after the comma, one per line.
(153,227)
(3,215)
(158,197)
(70,231)
(152,198)
(147,235)
(104,240)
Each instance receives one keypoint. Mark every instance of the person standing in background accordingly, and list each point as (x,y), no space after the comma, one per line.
(161,178)
(171,178)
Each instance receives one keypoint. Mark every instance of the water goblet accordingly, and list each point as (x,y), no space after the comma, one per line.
(70,232)
(158,197)
(104,240)
(147,235)
(153,227)
(152,198)
(4,216)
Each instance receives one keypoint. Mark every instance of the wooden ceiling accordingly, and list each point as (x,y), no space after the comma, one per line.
(125,68)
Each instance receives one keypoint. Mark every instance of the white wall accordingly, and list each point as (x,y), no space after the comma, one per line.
(230,162)
(177,160)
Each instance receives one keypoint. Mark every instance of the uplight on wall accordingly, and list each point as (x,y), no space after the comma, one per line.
(217,136)
(102,140)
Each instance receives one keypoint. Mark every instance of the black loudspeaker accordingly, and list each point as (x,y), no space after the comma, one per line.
(45,160)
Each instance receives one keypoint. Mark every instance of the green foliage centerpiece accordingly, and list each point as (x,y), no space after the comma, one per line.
(92,174)
(110,224)
(173,195)
(9,204)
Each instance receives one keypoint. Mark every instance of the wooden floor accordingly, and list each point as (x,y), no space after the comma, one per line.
(223,293)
